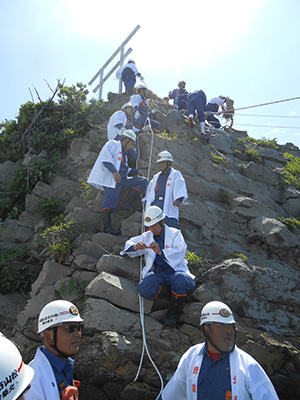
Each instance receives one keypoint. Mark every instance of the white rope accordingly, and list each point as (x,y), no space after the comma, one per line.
(141,300)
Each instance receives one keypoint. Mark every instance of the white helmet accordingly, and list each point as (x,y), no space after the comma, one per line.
(129,134)
(15,376)
(139,87)
(57,312)
(153,215)
(180,82)
(164,156)
(216,311)
(130,61)
(127,105)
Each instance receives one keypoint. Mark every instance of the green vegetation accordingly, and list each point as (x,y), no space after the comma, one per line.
(218,159)
(167,135)
(12,278)
(291,171)
(193,261)
(224,195)
(76,287)
(234,255)
(59,240)
(50,209)
(291,223)
(259,142)
(49,137)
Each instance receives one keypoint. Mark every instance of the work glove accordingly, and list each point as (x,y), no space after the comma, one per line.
(153,111)
(146,128)
(136,115)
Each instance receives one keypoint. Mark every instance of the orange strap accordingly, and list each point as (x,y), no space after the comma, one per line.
(71,392)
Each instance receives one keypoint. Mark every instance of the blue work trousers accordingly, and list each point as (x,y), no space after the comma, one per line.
(211,118)
(180,283)
(112,195)
(197,102)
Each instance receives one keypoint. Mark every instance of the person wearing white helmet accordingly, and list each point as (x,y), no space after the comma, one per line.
(140,118)
(127,73)
(119,122)
(60,327)
(167,189)
(179,96)
(196,106)
(15,376)
(212,107)
(166,274)
(112,174)
(217,369)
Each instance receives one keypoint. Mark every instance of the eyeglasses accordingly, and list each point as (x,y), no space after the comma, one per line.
(73,328)
(25,391)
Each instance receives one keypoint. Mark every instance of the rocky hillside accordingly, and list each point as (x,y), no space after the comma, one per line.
(244,250)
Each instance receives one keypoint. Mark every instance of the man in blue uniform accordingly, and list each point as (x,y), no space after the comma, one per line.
(179,96)
(217,369)
(128,73)
(212,107)
(141,114)
(60,326)
(197,102)
(112,174)
(166,268)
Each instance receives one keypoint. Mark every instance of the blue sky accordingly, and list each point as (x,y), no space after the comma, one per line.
(248,50)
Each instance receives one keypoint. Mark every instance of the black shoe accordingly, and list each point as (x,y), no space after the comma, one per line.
(107,228)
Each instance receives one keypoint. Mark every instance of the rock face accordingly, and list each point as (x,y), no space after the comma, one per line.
(250,260)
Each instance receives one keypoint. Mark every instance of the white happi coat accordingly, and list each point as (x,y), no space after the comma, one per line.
(100,176)
(217,100)
(175,189)
(119,117)
(43,384)
(121,69)
(248,380)
(174,251)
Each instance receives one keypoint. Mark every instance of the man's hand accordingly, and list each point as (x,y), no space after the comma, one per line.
(155,247)
(176,203)
(140,246)
(117,176)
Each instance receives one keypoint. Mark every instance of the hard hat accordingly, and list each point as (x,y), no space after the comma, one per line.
(129,134)
(153,215)
(180,82)
(164,156)
(57,312)
(127,105)
(216,311)
(12,370)
(130,61)
(139,87)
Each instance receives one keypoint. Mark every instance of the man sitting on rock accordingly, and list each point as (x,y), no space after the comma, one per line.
(167,189)
(60,326)
(166,268)
(218,369)
(112,173)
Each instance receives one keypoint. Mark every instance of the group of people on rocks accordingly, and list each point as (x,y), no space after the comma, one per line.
(213,370)
(196,105)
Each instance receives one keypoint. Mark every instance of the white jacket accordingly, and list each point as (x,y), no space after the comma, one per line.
(248,380)
(121,69)
(175,189)
(119,117)
(174,251)
(100,176)
(43,384)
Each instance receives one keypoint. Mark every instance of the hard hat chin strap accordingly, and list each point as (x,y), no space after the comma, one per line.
(208,338)
(54,345)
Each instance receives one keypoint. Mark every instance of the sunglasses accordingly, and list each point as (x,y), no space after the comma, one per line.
(73,328)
